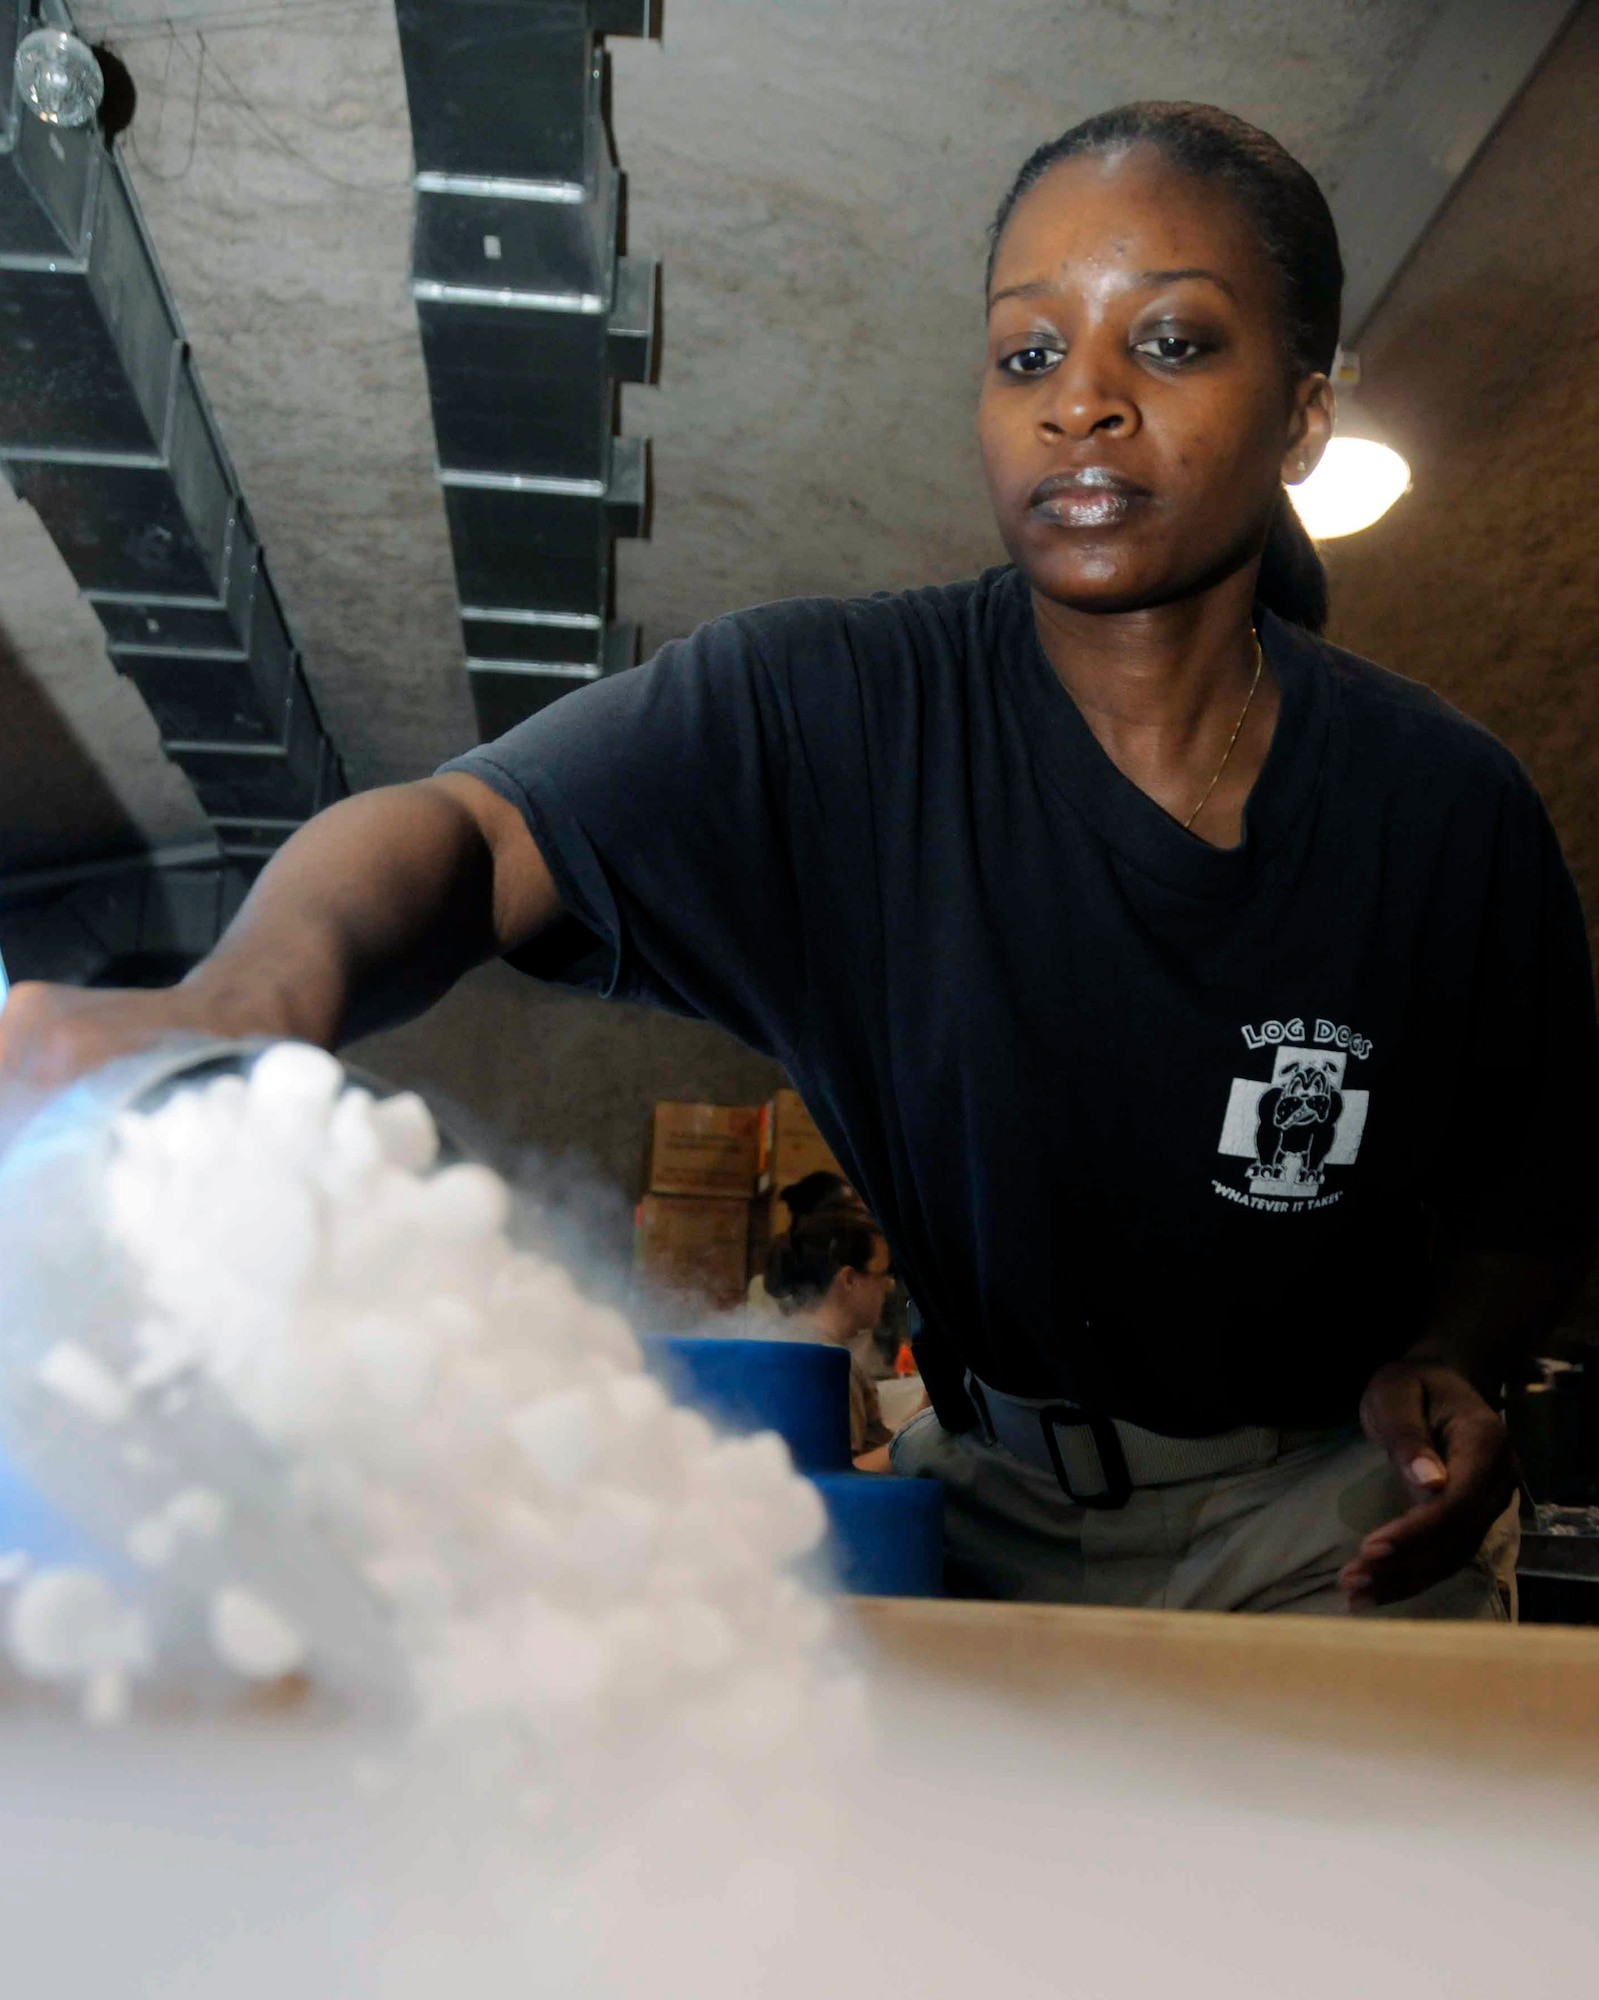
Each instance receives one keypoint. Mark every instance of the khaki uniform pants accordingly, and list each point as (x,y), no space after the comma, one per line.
(1272,1538)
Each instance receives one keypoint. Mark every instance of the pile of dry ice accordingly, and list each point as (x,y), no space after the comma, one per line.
(325,1417)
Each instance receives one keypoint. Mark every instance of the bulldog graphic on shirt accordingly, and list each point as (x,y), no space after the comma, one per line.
(1293,1125)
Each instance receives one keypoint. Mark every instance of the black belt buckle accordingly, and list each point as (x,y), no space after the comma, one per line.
(1118,1487)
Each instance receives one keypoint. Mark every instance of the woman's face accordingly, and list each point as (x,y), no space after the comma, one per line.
(1136,422)
(865,1293)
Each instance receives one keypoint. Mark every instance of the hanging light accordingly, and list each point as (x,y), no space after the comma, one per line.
(58,77)
(1355,484)
(1358,477)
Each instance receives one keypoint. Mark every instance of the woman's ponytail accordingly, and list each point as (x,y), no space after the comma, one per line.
(1292,581)
(780,1274)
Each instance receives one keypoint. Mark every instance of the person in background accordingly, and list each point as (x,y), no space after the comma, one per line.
(801,1198)
(882,1352)
(830,1278)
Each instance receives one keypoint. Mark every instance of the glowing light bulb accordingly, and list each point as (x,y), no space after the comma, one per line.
(58,77)
(1355,484)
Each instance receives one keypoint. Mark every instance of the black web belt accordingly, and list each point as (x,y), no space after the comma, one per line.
(1102,1461)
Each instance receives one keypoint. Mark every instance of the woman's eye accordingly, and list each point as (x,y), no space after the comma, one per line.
(1031,360)
(1173,347)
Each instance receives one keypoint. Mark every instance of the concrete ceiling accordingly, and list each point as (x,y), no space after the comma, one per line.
(815,176)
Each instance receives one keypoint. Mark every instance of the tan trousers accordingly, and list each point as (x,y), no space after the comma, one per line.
(1272,1538)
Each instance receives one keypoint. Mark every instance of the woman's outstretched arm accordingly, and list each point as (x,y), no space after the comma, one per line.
(367,915)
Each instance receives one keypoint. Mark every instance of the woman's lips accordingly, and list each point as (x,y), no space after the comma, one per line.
(1091,497)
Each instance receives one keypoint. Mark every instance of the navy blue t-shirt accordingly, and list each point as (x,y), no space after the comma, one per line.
(1169,1129)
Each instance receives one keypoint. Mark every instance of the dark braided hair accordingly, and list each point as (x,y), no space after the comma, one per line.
(1297,233)
(801,1266)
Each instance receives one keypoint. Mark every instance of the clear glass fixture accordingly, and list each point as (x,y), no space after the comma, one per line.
(1355,484)
(58,77)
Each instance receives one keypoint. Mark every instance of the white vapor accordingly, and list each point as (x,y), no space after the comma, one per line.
(569,1723)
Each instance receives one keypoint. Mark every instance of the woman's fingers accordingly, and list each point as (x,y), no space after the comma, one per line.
(1436,1537)
(1394,1413)
(1453,1456)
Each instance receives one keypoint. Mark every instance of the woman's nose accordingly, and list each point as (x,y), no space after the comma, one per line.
(1089,395)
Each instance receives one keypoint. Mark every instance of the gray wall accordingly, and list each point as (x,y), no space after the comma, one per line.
(1482,582)
(570,1077)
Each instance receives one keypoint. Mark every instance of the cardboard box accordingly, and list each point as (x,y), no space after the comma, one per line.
(790,1148)
(704,1149)
(694,1245)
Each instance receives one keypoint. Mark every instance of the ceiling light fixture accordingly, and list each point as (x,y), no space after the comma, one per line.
(1355,484)
(58,77)
(1359,475)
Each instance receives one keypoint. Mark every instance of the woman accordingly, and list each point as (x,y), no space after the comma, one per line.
(1204,1013)
(830,1276)
(803,1197)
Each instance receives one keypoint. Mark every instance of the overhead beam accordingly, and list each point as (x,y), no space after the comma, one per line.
(530,315)
(1474,62)
(106,431)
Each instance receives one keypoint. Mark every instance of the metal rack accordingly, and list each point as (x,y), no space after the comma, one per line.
(531,315)
(106,431)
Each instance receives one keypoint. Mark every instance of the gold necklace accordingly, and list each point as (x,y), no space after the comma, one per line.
(1232,741)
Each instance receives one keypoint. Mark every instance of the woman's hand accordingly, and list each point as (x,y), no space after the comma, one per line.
(1453,1457)
(367,915)
(51,1035)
